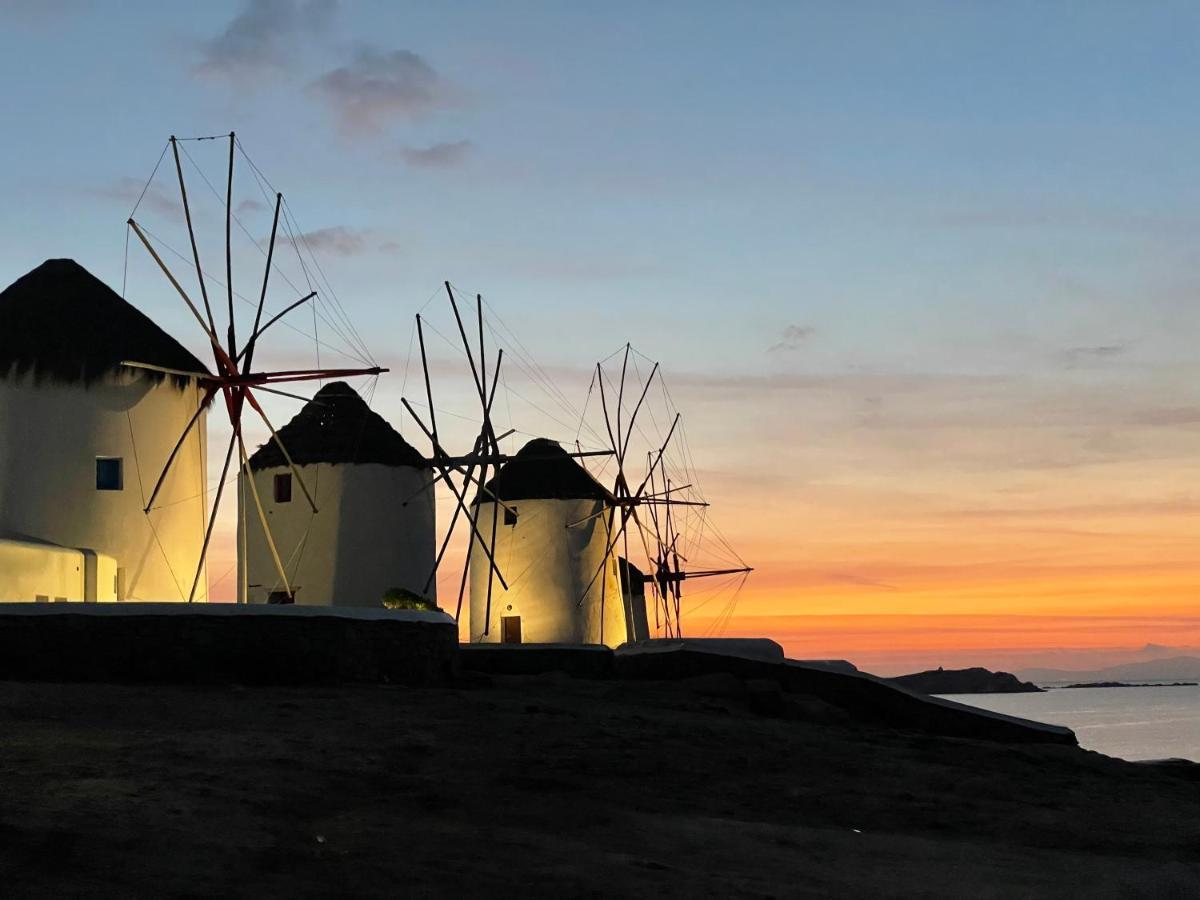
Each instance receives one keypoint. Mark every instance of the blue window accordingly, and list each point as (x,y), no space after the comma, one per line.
(110,473)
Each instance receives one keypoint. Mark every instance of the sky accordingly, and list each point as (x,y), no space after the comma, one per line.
(920,276)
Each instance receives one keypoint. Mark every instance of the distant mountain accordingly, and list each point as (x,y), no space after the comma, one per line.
(964,681)
(1174,668)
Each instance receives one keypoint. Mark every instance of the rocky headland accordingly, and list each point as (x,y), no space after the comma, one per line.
(965,681)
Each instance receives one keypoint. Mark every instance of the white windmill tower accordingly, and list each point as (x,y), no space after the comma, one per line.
(478,504)
(82,438)
(554,546)
(568,543)
(376,526)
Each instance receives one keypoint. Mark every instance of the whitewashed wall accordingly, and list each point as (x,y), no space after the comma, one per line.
(548,567)
(362,541)
(50,436)
(31,571)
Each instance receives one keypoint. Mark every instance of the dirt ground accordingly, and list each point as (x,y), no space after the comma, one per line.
(552,787)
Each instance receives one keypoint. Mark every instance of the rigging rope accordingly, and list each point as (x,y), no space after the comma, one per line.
(137,466)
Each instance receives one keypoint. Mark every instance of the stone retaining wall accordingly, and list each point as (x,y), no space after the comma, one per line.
(69,642)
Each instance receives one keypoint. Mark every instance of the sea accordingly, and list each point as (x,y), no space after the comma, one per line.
(1134,723)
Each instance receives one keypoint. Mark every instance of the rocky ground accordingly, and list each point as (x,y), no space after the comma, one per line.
(555,787)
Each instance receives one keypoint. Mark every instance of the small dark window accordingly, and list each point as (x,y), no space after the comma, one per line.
(510,515)
(283,488)
(280,598)
(110,475)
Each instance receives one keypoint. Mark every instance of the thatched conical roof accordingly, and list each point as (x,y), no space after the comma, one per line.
(543,470)
(61,323)
(337,427)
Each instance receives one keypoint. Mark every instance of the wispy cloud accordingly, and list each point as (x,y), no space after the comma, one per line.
(127,191)
(250,205)
(336,241)
(863,581)
(340,240)
(380,87)
(1080,357)
(443,155)
(791,338)
(262,36)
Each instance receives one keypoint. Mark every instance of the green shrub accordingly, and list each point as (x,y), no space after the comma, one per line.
(403,598)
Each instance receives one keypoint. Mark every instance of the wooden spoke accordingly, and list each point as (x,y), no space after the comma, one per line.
(661,451)
(187,215)
(212,519)
(250,398)
(614,535)
(258,332)
(262,518)
(478,458)
(217,348)
(279,393)
(621,407)
(229,251)
(457,495)
(262,297)
(208,394)
(428,383)
(307,375)
(466,344)
(444,475)
(604,408)
(636,409)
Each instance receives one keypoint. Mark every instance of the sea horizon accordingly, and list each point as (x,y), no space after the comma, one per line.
(1134,723)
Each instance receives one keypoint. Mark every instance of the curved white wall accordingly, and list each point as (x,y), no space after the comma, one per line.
(33,570)
(548,567)
(364,539)
(50,436)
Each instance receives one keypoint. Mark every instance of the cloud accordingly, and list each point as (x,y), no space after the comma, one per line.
(379,87)
(437,156)
(250,205)
(128,191)
(863,581)
(791,339)
(340,240)
(262,35)
(1079,357)
(336,241)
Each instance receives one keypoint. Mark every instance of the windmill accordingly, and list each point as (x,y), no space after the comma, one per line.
(473,471)
(664,497)
(235,380)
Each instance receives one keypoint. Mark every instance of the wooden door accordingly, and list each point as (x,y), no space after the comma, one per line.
(510,629)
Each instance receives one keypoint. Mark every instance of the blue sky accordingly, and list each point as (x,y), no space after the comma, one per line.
(894,175)
(756,166)
(883,244)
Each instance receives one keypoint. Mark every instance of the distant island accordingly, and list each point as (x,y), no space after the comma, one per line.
(975,680)
(1108,684)
(1171,668)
